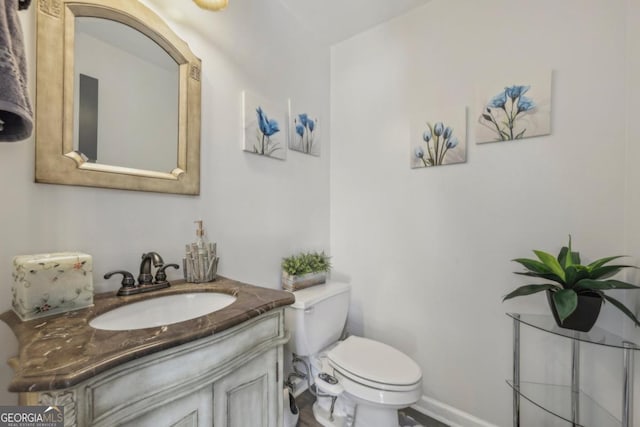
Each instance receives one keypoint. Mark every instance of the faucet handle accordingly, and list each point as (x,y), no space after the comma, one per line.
(127,278)
(161,276)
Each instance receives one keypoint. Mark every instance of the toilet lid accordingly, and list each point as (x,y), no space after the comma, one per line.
(374,361)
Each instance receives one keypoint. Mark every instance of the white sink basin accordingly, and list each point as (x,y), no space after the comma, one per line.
(161,311)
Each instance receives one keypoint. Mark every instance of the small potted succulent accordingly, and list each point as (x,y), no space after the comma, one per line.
(305,269)
(576,291)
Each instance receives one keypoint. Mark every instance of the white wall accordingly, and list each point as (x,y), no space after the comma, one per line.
(257,209)
(632,225)
(428,251)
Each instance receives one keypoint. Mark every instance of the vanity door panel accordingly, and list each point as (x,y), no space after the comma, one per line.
(193,410)
(248,397)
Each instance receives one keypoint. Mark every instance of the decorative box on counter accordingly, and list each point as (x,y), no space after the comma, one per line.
(46,284)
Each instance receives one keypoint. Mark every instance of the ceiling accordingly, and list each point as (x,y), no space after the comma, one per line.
(335,20)
(326,21)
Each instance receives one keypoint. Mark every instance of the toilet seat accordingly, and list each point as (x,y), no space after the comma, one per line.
(375,365)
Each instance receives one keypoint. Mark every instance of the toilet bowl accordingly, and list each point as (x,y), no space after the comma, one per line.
(374,379)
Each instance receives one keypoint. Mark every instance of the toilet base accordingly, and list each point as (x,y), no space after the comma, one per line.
(323,417)
(365,416)
(376,416)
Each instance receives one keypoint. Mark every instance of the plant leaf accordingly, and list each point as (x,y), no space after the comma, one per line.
(576,257)
(586,284)
(551,262)
(571,275)
(623,309)
(582,273)
(562,257)
(530,289)
(548,276)
(566,260)
(607,271)
(602,261)
(533,265)
(566,301)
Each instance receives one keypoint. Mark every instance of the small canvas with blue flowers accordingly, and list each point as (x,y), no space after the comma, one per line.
(438,138)
(513,109)
(304,135)
(265,126)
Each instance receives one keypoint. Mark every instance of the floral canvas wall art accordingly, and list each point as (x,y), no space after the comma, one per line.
(304,133)
(438,139)
(514,110)
(265,126)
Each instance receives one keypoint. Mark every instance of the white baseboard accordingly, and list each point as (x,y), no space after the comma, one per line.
(430,407)
(448,414)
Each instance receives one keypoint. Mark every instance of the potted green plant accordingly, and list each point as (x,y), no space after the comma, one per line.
(577,291)
(305,269)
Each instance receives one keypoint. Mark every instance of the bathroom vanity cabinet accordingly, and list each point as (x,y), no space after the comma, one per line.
(229,377)
(569,402)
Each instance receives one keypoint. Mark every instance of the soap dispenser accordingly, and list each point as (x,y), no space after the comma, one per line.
(200,241)
(200,262)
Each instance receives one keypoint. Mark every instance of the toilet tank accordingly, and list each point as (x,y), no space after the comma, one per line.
(317,318)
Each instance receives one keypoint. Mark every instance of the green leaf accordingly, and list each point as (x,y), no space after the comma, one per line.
(566,301)
(623,309)
(566,260)
(571,275)
(530,289)
(533,265)
(551,262)
(607,271)
(562,257)
(547,276)
(576,257)
(586,284)
(602,261)
(308,262)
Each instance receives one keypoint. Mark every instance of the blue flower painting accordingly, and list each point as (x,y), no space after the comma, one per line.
(304,134)
(264,127)
(267,128)
(515,111)
(436,143)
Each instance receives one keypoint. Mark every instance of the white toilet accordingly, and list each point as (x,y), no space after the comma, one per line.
(374,379)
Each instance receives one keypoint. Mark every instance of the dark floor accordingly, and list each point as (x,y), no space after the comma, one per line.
(408,417)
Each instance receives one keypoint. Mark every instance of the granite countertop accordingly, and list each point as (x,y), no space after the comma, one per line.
(63,350)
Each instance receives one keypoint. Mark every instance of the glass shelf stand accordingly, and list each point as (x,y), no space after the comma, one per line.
(569,402)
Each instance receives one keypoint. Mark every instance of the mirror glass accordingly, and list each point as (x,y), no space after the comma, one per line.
(117,98)
(125,97)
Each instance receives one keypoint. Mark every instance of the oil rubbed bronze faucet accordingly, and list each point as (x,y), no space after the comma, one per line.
(145,277)
(146,281)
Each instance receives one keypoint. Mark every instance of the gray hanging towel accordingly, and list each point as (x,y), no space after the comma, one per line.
(16,116)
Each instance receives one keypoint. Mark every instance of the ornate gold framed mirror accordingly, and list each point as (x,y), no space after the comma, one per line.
(117,99)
